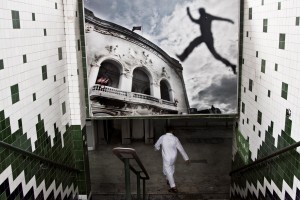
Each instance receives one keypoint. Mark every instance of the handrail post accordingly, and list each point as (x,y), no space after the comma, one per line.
(125,154)
(144,189)
(127,179)
(138,192)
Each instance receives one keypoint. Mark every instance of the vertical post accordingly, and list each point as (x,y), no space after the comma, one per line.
(138,191)
(127,179)
(144,189)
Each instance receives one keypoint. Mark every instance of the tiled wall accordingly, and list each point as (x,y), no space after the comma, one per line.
(42,99)
(269,106)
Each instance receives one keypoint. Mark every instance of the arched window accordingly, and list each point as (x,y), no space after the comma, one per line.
(140,82)
(165,90)
(109,74)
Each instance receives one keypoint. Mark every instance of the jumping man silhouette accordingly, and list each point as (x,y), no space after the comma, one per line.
(204,22)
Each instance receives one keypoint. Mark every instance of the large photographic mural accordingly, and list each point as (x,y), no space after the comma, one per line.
(172,57)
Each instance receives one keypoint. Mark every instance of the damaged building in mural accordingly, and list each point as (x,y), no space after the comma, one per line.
(74,86)
(129,75)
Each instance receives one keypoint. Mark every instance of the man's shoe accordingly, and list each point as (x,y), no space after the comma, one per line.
(173,190)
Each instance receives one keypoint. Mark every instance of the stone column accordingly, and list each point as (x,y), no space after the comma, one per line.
(125,82)
(149,133)
(126,139)
(171,93)
(90,134)
(155,90)
(138,128)
(93,75)
(100,131)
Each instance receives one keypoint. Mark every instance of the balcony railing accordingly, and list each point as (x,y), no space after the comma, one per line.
(107,89)
(114,93)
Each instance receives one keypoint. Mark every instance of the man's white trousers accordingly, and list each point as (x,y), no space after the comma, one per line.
(168,171)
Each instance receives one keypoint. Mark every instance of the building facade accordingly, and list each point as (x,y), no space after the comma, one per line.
(128,75)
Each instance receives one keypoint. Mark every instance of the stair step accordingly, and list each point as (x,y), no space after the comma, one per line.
(202,196)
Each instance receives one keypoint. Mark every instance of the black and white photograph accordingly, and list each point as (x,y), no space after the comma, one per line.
(170,57)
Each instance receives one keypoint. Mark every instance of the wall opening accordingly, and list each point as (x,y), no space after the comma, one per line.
(140,82)
(165,90)
(109,74)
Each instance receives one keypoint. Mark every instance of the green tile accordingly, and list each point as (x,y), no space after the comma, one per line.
(20,123)
(259,117)
(265,25)
(76,128)
(78,44)
(44,72)
(3,196)
(63,108)
(1,64)
(250,13)
(297,21)
(263,66)
(284,90)
(24,59)
(60,53)
(15,19)
(2,117)
(15,98)
(281,41)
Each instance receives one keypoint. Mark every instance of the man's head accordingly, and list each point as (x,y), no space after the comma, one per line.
(170,129)
(201,11)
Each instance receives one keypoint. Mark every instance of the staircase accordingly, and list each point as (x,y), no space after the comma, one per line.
(207,178)
(202,196)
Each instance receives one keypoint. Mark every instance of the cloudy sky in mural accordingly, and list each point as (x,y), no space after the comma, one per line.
(166,23)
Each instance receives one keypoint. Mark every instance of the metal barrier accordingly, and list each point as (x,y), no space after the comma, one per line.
(125,155)
(37,157)
(266,158)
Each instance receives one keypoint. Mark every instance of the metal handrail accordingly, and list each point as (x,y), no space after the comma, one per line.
(125,154)
(276,153)
(45,160)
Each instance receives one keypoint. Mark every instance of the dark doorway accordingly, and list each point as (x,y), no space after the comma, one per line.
(109,74)
(165,90)
(140,82)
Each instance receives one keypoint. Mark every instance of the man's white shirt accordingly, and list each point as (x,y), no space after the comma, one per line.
(170,144)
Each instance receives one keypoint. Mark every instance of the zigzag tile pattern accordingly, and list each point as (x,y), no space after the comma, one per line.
(279,176)
(13,188)
(21,175)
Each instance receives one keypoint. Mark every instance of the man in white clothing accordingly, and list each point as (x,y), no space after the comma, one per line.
(170,144)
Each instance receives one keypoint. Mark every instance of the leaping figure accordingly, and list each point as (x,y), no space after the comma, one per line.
(204,22)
